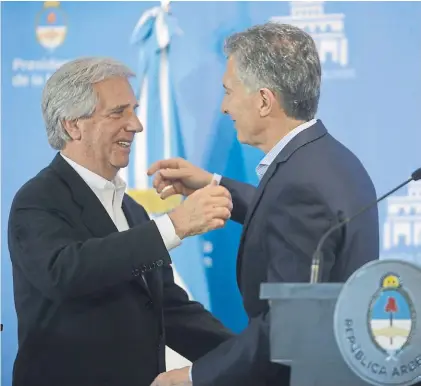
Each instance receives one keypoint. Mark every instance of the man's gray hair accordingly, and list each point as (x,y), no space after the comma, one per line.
(282,58)
(69,94)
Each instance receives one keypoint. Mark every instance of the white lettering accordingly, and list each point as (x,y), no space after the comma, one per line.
(20,64)
(37,80)
(20,80)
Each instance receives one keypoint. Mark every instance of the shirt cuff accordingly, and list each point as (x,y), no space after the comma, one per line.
(217,178)
(167,231)
(191,380)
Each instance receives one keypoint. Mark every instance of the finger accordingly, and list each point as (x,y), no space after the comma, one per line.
(154,168)
(162,185)
(221,213)
(216,224)
(174,174)
(172,163)
(157,180)
(168,192)
(218,191)
(176,188)
(222,202)
(160,182)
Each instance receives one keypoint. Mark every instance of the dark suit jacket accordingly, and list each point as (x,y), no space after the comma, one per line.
(85,315)
(310,186)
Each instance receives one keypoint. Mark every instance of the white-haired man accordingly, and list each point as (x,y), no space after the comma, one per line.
(94,291)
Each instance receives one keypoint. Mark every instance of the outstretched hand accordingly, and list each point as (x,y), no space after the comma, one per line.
(178,176)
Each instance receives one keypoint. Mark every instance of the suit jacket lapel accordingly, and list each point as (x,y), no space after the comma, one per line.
(259,192)
(309,135)
(128,213)
(93,213)
(250,211)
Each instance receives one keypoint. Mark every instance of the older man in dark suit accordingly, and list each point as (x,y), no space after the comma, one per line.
(308,182)
(94,290)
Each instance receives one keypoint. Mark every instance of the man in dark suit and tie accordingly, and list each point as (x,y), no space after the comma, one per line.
(94,290)
(308,182)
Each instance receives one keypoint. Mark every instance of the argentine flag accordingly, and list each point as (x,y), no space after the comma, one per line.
(225,156)
(161,139)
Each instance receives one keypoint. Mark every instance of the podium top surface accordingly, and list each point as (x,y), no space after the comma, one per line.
(273,291)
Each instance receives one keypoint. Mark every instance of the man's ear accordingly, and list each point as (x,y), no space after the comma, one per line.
(267,100)
(72,128)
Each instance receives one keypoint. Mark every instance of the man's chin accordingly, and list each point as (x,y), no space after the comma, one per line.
(241,139)
(121,164)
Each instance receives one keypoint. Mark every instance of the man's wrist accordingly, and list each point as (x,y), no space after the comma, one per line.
(173,216)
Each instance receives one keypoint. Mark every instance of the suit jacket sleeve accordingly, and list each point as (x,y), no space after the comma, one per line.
(190,330)
(296,221)
(242,195)
(63,264)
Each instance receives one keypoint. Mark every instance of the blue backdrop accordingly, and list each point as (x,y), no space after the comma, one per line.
(371,94)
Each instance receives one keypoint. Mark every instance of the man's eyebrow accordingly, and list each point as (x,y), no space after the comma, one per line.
(120,108)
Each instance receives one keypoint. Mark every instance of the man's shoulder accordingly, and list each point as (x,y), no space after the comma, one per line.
(44,187)
(326,156)
(325,165)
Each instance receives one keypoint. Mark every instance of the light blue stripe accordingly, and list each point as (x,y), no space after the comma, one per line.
(187,257)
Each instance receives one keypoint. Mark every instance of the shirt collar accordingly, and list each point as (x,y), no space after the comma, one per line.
(271,155)
(97,182)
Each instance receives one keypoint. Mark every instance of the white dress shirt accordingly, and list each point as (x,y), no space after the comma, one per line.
(111,193)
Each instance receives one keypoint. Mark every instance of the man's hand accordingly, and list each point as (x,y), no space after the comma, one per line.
(178,176)
(204,210)
(179,377)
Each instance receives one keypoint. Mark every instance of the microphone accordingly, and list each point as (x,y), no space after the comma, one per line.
(317,261)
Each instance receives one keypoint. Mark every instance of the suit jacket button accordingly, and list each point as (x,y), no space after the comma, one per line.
(149,305)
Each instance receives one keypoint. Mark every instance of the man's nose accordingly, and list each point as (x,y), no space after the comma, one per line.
(134,124)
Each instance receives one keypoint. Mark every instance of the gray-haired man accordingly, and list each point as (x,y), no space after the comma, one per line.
(94,291)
